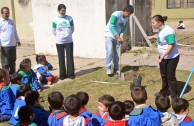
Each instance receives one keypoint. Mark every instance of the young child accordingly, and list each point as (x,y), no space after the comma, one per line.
(181,25)
(84,98)
(55,100)
(143,114)
(15,83)
(6,97)
(20,101)
(41,115)
(181,109)
(101,117)
(28,75)
(73,107)
(26,116)
(129,105)
(42,68)
(117,114)
(163,104)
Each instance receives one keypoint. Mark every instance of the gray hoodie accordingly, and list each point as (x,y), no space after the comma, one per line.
(169,119)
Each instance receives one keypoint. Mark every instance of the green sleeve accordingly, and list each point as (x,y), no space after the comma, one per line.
(170,39)
(113,20)
(71,23)
(123,29)
(54,25)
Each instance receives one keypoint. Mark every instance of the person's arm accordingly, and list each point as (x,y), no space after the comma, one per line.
(16,37)
(152,36)
(123,31)
(72,25)
(54,26)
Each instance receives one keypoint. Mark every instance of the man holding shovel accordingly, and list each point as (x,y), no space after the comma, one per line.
(114,31)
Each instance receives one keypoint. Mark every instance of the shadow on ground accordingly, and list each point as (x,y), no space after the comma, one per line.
(87,71)
(134,68)
(181,85)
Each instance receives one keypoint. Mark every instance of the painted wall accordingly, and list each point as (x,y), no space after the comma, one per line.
(89,20)
(159,7)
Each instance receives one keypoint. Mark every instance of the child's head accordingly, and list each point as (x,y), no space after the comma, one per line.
(23,89)
(55,100)
(25,114)
(180,106)
(41,59)
(16,78)
(4,77)
(117,110)
(129,105)
(104,102)
(139,95)
(32,98)
(180,21)
(72,105)
(162,102)
(24,66)
(27,60)
(84,97)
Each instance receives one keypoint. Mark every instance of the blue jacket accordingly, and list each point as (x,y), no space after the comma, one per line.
(99,119)
(187,122)
(85,113)
(144,117)
(56,118)
(14,88)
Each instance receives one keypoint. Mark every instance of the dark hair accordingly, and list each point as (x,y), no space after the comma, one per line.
(40,58)
(31,97)
(23,66)
(106,99)
(165,18)
(180,104)
(24,114)
(83,97)
(129,8)
(117,110)
(4,8)
(26,60)
(23,89)
(15,77)
(3,75)
(180,21)
(162,102)
(129,105)
(72,104)
(61,6)
(55,100)
(139,94)
(158,18)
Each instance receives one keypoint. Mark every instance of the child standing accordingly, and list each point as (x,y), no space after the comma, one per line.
(55,100)
(143,114)
(42,69)
(15,83)
(181,109)
(6,97)
(163,104)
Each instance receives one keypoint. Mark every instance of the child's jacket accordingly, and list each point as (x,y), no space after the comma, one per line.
(85,113)
(14,88)
(184,120)
(56,118)
(169,119)
(99,119)
(116,122)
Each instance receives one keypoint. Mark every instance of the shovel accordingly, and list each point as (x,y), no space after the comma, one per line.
(120,75)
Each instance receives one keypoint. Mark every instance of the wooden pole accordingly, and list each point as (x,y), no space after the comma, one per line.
(13,11)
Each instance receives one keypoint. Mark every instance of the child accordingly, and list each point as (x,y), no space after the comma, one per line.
(84,98)
(26,116)
(181,109)
(129,105)
(6,97)
(20,101)
(143,114)
(101,117)
(15,83)
(181,25)
(42,69)
(163,104)
(55,100)
(28,75)
(117,114)
(73,106)
(41,115)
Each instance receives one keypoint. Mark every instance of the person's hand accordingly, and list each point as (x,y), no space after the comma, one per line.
(119,39)
(160,60)
(149,37)
(18,44)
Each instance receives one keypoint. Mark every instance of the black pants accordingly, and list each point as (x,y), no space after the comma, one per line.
(68,49)
(168,71)
(8,58)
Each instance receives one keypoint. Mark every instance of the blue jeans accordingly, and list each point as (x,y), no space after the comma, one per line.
(111,53)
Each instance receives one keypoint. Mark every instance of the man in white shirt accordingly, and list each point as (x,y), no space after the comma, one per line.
(8,41)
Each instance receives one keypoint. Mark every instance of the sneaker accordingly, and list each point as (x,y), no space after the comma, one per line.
(108,72)
(116,72)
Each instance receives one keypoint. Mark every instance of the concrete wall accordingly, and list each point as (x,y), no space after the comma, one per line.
(89,20)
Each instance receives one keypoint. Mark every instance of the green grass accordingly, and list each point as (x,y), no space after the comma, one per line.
(151,80)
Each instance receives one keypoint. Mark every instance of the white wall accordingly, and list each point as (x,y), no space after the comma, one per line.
(89,20)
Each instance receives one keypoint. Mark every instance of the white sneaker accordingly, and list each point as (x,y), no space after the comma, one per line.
(108,72)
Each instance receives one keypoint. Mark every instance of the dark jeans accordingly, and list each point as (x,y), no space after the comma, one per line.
(68,49)
(8,58)
(167,71)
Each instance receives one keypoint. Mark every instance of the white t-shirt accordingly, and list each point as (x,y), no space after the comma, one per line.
(78,121)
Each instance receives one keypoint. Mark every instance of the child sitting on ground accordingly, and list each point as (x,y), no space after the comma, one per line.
(15,83)
(181,25)
(181,109)
(143,114)
(101,117)
(26,116)
(55,100)
(42,68)
(84,98)
(20,101)
(163,104)
(73,106)
(117,114)
(6,97)
(28,75)
(129,105)
(41,115)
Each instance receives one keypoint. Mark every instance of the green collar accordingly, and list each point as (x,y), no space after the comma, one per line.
(138,111)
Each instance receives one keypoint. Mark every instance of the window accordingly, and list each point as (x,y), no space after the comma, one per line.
(171,4)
